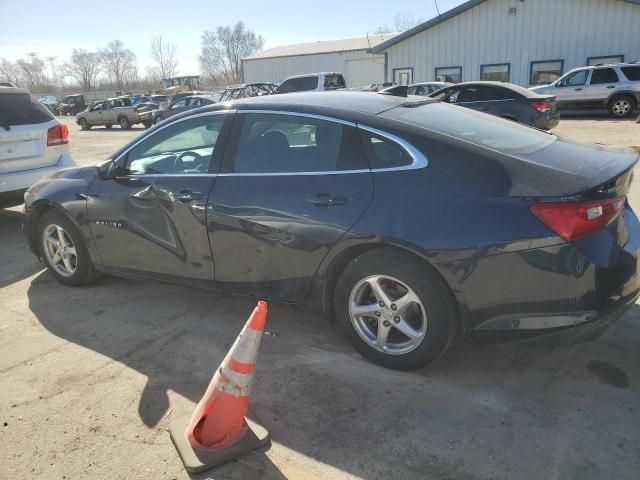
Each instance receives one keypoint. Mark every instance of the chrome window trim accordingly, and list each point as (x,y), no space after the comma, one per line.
(419,159)
(146,137)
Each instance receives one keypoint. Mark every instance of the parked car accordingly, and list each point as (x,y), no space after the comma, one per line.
(72,105)
(312,81)
(191,93)
(113,111)
(395,90)
(162,101)
(613,87)
(426,88)
(50,102)
(33,144)
(185,103)
(408,222)
(504,100)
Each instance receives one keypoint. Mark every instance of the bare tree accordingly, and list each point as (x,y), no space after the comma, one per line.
(400,23)
(33,70)
(11,72)
(84,66)
(223,50)
(165,57)
(119,63)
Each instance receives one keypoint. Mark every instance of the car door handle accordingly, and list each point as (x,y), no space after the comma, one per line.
(611,86)
(578,89)
(326,200)
(485,108)
(187,196)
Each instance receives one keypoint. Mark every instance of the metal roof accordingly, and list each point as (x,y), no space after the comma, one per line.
(323,46)
(463,7)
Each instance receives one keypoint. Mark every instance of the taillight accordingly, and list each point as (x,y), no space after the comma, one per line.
(58,135)
(573,220)
(544,106)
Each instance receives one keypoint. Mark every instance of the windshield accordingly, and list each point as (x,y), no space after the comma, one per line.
(480,129)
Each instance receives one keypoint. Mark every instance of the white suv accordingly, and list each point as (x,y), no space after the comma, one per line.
(33,143)
(614,87)
(312,82)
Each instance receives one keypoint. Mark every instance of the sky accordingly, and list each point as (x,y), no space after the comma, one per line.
(55,28)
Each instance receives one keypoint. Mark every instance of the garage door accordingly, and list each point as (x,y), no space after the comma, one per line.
(363,71)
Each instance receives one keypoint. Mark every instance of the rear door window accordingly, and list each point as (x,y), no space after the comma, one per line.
(22,109)
(308,83)
(632,73)
(604,75)
(274,143)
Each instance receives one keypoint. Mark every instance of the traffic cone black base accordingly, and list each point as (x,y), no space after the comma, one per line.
(199,459)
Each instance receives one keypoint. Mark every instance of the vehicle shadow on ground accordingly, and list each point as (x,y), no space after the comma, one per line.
(115,128)
(318,397)
(14,268)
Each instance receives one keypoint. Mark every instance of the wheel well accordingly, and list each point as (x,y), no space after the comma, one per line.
(622,94)
(339,263)
(37,211)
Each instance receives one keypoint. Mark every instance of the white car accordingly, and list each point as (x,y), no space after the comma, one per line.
(33,144)
(312,82)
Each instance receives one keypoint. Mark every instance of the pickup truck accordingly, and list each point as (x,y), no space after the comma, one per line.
(113,111)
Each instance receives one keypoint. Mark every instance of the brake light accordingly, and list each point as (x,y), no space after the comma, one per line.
(544,106)
(573,220)
(58,135)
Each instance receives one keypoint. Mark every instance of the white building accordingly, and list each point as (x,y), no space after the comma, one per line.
(526,42)
(350,56)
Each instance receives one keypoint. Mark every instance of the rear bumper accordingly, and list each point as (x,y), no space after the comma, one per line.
(16,181)
(545,122)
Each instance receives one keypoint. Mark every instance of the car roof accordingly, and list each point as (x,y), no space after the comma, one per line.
(13,90)
(429,83)
(351,101)
(313,74)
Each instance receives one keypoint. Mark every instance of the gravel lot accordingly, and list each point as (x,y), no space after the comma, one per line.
(92,377)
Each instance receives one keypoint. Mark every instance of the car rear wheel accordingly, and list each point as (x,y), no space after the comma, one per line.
(158,119)
(395,311)
(63,250)
(622,106)
(124,122)
(84,125)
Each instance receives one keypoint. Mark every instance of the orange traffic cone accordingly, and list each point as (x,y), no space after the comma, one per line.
(218,430)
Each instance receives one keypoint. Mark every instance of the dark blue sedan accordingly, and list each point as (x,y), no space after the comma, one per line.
(409,221)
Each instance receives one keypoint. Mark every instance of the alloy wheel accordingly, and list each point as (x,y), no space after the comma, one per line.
(622,107)
(387,314)
(59,250)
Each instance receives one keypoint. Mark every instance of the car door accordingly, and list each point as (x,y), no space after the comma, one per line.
(603,82)
(94,115)
(471,96)
(291,186)
(570,89)
(150,217)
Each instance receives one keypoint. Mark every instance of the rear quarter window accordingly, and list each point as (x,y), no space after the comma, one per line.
(22,109)
(632,73)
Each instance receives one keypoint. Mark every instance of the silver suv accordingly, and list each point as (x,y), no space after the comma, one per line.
(614,87)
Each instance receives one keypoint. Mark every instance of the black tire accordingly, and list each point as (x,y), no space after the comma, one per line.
(147,124)
(124,122)
(431,290)
(85,272)
(84,125)
(158,119)
(622,106)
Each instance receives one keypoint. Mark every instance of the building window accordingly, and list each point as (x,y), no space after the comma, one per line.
(449,74)
(403,76)
(545,71)
(591,61)
(499,72)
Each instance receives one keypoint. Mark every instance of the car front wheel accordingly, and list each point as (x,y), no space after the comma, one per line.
(84,125)
(124,122)
(394,310)
(63,250)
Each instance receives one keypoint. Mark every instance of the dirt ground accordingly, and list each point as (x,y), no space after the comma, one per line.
(92,377)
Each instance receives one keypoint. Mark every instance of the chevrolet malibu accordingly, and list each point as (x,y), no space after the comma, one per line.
(406,220)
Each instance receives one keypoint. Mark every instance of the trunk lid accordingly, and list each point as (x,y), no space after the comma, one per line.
(24,147)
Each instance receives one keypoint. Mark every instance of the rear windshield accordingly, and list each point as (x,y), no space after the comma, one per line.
(332,82)
(484,130)
(22,109)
